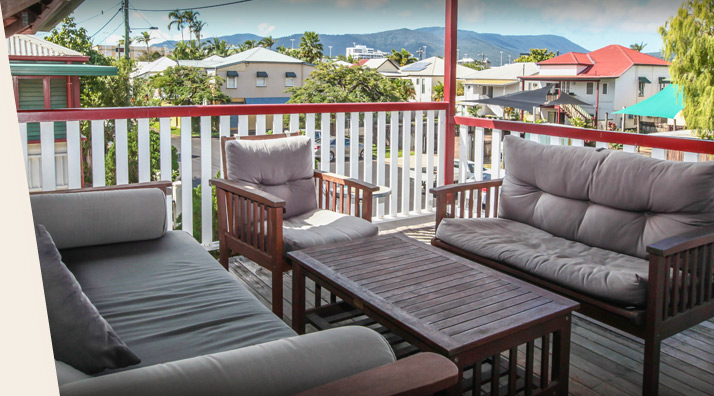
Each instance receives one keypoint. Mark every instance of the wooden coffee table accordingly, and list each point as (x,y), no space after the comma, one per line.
(481,319)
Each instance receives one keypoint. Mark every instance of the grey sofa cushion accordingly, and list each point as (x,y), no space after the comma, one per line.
(67,373)
(101,217)
(80,336)
(282,367)
(319,227)
(168,299)
(608,199)
(282,167)
(600,273)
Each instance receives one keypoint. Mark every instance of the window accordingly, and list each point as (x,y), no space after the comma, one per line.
(589,88)
(487,91)
(289,82)
(641,89)
(423,86)
(261,82)
(232,79)
(566,87)
(604,89)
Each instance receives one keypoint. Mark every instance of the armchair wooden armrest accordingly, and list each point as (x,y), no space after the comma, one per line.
(335,193)
(680,243)
(472,202)
(422,374)
(252,194)
(164,185)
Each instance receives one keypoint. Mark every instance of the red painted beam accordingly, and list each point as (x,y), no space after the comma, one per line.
(450,46)
(633,139)
(110,113)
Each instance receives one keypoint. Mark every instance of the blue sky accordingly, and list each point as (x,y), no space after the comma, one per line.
(589,23)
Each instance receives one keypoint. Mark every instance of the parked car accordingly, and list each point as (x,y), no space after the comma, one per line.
(333,148)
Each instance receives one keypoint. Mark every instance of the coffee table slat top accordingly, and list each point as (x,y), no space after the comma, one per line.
(452,303)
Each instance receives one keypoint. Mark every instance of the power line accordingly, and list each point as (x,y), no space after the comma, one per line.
(105,25)
(167,39)
(112,32)
(100,14)
(197,8)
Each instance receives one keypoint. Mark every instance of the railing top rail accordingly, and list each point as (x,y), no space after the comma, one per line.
(634,139)
(108,113)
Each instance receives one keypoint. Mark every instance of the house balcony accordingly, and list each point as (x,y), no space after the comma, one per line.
(405,151)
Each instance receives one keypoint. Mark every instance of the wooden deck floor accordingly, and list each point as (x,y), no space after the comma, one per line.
(604,361)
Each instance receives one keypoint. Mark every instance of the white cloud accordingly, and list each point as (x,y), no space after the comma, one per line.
(264,29)
(366,4)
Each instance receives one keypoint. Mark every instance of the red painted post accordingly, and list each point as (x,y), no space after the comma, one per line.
(450,45)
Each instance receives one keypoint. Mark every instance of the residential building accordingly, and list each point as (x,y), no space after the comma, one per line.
(362,52)
(385,66)
(427,74)
(135,51)
(610,78)
(46,76)
(498,81)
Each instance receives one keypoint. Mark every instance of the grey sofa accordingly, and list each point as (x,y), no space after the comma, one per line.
(629,237)
(195,327)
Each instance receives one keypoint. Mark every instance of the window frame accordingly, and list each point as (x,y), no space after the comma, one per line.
(264,81)
(233,80)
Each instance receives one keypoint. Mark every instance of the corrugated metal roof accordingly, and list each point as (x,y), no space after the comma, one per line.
(27,45)
(60,69)
(260,54)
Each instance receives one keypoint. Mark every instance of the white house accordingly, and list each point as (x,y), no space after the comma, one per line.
(428,73)
(362,52)
(498,81)
(609,78)
(385,66)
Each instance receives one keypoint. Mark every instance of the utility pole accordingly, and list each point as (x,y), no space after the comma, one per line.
(126,29)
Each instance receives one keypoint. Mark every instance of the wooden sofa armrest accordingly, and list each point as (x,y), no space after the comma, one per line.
(252,194)
(342,202)
(447,196)
(422,374)
(680,243)
(164,185)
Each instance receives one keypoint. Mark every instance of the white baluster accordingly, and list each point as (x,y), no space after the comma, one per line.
(601,145)
(165,163)
(418,154)
(260,124)
(406,162)
(368,124)
(186,176)
(394,163)
(441,143)
(98,171)
(578,142)
(354,145)
(429,158)
(310,131)
(463,153)
(277,123)
(23,143)
(381,158)
(659,153)
(206,191)
(74,155)
(496,148)
(121,152)
(143,150)
(479,142)
(47,147)
(325,128)
(243,125)
(628,148)
(340,144)
(294,123)
(691,157)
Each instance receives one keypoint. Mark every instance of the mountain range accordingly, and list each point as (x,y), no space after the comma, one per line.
(471,44)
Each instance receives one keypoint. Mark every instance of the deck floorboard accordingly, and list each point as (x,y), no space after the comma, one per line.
(604,361)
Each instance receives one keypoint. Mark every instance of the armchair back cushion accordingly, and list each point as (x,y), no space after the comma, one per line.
(282,167)
(101,217)
(608,199)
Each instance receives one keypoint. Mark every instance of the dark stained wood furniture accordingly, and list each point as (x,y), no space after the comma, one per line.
(250,221)
(673,305)
(473,315)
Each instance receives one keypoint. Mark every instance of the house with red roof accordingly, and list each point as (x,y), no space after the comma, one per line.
(609,79)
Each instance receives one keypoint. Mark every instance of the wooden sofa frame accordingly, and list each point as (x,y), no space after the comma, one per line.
(673,305)
(250,221)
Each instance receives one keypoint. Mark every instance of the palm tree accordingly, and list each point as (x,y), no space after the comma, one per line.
(218,47)
(310,48)
(403,57)
(248,44)
(197,26)
(638,47)
(438,92)
(177,19)
(145,38)
(267,42)
(190,17)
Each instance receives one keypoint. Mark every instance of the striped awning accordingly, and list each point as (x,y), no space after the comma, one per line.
(60,69)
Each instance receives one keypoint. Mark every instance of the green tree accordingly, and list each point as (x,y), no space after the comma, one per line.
(267,42)
(404,88)
(197,26)
(689,40)
(178,19)
(218,47)
(288,51)
(184,85)
(190,17)
(187,50)
(133,154)
(310,48)
(536,55)
(437,93)
(331,84)
(474,65)
(638,47)
(145,38)
(403,57)
(248,44)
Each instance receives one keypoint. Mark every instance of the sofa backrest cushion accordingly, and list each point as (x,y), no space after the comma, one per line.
(80,335)
(282,167)
(607,199)
(101,217)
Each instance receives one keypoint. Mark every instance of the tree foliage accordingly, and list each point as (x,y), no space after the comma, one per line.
(689,40)
(310,48)
(133,156)
(184,85)
(536,55)
(336,84)
(638,46)
(403,57)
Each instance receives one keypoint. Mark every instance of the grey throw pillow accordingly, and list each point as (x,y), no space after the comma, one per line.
(81,337)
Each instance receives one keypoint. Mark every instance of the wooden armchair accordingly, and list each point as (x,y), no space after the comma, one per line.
(251,221)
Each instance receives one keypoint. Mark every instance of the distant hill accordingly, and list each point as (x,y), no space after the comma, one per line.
(472,44)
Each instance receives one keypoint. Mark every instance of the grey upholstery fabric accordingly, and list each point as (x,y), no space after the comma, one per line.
(101,217)
(282,367)
(608,199)
(80,336)
(319,227)
(282,167)
(168,299)
(67,373)
(600,273)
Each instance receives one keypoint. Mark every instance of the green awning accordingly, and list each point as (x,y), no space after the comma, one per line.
(645,80)
(290,74)
(666,103)
(232,73)
(262,74)
(60,69)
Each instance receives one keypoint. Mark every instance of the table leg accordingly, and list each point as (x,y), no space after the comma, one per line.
(298,299)
(561,357)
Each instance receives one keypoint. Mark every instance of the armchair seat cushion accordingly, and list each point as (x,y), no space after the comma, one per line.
(600,273)
(319,227)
